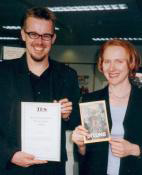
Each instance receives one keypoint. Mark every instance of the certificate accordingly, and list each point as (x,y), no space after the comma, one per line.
(94,119)
(41,130)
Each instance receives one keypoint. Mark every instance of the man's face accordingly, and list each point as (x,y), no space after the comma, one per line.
(37,48)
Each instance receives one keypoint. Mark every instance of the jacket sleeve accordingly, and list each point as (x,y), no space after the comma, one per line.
(73,94)
(6,150)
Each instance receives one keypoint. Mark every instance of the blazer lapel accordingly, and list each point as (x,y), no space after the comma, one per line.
(57,80)
(132,103)
(105,96)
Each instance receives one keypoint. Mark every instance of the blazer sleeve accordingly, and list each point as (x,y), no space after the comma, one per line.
(73,94)
(6,150)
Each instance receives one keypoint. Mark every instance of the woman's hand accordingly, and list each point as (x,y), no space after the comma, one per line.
(122,148)
(78,138)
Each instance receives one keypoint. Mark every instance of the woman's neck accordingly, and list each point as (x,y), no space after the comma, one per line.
(120,90)
(119,94)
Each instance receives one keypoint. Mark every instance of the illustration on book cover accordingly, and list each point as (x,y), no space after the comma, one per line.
(94,119)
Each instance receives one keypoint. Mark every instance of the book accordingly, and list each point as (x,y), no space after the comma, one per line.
(94,119)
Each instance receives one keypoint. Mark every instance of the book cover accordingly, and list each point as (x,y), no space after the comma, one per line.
(94,119)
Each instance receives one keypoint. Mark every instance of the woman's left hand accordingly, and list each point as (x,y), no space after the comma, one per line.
(122,148)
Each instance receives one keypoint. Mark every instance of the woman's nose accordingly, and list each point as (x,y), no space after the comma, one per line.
(111,66)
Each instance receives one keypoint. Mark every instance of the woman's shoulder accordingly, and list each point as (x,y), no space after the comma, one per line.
(96,95)
(136,91)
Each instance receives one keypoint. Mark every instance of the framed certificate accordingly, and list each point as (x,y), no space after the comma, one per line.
(41,130)
(94,119)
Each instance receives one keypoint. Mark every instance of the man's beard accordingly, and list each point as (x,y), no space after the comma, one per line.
(38,59)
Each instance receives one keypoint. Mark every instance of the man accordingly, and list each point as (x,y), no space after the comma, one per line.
(35,77)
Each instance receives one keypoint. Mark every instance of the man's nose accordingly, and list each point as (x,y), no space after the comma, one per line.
(39,39)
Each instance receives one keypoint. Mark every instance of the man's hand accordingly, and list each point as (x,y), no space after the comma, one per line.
(25,160)
(122,148)
(66,108)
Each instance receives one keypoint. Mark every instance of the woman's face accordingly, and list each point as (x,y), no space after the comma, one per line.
(115,67)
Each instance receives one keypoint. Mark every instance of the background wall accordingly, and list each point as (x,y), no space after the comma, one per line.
(82,58)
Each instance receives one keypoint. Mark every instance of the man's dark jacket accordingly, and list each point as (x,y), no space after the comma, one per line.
(96,158)
(15,86)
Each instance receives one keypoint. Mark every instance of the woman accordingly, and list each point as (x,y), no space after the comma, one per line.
(118,61)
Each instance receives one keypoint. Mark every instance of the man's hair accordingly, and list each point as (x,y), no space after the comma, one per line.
(133,60)
(39,12)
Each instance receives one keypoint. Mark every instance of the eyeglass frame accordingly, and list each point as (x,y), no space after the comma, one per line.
(38,35)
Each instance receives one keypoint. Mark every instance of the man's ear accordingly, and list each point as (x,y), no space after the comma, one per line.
(23,34)
(54,38)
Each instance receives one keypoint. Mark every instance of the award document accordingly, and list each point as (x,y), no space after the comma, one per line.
(41,130)
(94,119)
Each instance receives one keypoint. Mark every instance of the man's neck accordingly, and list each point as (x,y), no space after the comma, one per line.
(37,67)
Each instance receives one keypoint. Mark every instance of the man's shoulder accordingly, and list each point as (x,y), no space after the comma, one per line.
(62,67)
(5,70)
(10,62)
(7,66)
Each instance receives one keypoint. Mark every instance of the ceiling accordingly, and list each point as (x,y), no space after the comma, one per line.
(77,28)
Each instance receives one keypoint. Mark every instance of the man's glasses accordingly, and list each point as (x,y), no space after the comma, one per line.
(45,37)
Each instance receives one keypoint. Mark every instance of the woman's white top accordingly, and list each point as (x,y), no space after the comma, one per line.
(117,115)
